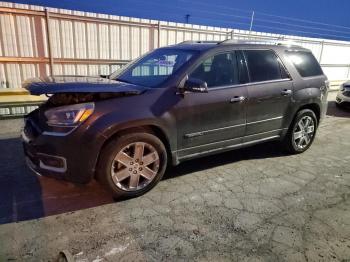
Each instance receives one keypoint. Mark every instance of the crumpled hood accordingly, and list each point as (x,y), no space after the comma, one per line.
(79,84)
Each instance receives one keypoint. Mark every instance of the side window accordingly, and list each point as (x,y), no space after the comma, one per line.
(305,63)
(264,65)
(218,70)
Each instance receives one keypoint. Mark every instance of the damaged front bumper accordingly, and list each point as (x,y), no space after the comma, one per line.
(69,157)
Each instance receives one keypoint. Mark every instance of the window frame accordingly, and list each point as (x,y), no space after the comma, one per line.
(296,69)
(266,81)
(212,54)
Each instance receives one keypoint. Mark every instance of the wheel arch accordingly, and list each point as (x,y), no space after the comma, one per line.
(313,107)
(147,128)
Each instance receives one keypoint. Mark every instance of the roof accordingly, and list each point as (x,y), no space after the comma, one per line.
(206,45)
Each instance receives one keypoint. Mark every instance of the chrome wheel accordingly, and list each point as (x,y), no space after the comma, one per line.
(135,166)
(303,132)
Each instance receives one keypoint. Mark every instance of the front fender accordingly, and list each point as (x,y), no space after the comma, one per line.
(108,124)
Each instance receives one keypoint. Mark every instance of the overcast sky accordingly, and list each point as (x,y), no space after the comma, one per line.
(270,15)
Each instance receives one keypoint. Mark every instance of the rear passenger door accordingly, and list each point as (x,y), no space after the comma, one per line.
(269,92)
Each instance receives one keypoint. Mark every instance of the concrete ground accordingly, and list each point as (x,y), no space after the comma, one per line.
(254,204)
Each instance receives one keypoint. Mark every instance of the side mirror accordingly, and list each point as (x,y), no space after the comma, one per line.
(104,76)
(195,85)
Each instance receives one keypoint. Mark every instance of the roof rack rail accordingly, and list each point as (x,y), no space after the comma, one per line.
(288,43)
(262,42)
(198,42)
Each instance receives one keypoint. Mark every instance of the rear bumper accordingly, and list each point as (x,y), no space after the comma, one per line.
(70,157)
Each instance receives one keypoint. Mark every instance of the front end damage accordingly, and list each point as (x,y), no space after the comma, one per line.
(54,136)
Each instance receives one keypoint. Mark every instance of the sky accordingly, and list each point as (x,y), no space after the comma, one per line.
(329,18)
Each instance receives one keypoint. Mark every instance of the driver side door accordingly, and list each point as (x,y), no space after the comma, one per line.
(216,120)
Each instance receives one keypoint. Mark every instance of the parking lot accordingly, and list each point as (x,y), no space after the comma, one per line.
(254,204)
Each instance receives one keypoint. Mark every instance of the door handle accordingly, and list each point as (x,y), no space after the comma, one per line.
(286,92)
(236,99)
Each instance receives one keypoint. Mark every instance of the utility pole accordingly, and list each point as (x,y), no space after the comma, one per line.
(251,22)
(187,17)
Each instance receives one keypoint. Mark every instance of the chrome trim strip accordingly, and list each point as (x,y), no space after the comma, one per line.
(227,140)
(205,132)
(266,132)
(269,81)
(31,166)
(265,120)
(49,133)
(229,147)
(213,143)
(51,168)
(249,84)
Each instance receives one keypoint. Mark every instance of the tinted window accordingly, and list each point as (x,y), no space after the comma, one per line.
(154,68)
(305,63)
(264,65)
(218,70)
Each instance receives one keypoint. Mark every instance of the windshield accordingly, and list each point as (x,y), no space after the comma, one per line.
(154,68)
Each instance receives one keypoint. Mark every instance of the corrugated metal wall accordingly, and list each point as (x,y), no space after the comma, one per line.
(85,43)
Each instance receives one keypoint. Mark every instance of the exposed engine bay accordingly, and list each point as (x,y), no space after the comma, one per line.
(61,99)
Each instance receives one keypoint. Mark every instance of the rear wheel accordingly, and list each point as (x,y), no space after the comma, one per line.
(132,164)
(302,132)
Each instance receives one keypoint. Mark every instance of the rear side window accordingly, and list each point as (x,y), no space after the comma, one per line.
(305,63)
(264,65)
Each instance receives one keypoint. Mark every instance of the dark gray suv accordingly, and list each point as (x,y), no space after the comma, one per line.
(175,103)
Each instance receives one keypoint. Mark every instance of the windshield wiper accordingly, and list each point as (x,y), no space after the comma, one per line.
(124,81)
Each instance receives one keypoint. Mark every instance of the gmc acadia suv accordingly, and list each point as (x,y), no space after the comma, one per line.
(173,104)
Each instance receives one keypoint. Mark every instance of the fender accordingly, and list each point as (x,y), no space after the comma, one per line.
(304,97)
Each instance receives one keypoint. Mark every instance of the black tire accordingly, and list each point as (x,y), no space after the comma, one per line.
(289,142)
(110,151)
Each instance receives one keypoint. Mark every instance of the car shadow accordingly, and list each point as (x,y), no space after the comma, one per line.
(25,195)
(335,111)
(261,151)
(17,186)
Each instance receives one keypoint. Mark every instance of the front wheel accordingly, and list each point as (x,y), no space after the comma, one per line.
(302,132)
(132,164)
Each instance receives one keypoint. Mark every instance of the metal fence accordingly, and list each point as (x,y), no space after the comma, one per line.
(35,41)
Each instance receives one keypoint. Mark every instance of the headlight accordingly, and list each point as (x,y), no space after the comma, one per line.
(342,88)
(69,115)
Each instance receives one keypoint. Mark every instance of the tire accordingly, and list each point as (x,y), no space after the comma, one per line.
(121,167)
(291,142)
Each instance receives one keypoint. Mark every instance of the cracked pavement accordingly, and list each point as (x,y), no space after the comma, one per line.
(253,204)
